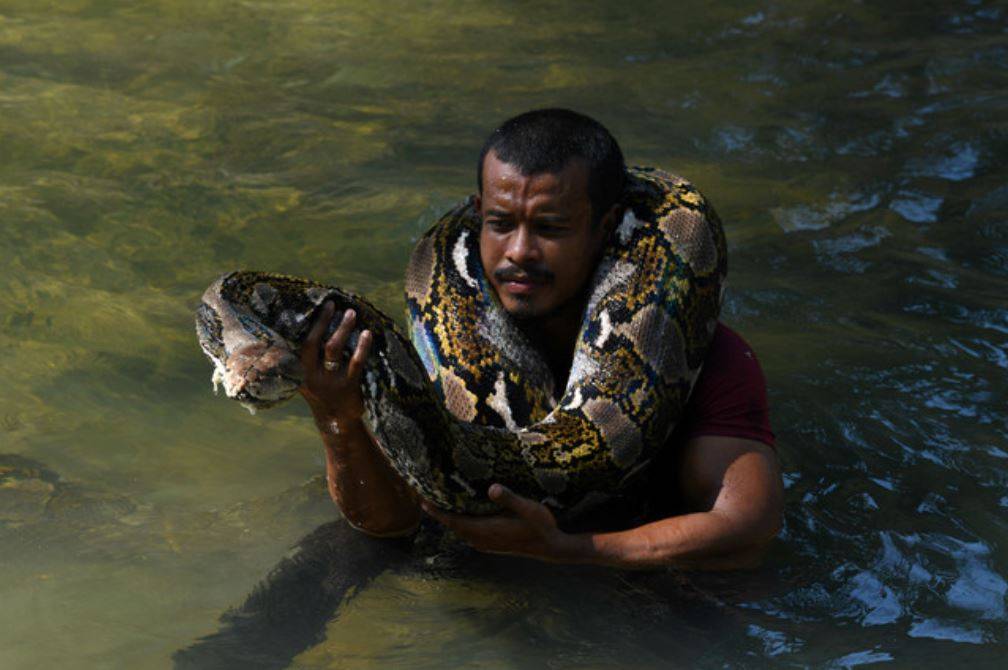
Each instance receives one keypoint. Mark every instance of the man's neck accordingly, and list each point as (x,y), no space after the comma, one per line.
(555,336)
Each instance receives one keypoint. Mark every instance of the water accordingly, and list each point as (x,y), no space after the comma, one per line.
(856,151)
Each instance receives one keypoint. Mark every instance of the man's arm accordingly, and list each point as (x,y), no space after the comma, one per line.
(734,485)
(371,495)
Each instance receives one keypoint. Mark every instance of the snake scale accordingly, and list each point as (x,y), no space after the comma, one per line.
(466,400)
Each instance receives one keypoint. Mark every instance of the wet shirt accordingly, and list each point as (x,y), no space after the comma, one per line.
(730,395)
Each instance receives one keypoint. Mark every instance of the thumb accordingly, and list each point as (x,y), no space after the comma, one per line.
(530,510)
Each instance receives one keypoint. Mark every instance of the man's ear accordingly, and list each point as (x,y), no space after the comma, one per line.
(478,203)
(612,219)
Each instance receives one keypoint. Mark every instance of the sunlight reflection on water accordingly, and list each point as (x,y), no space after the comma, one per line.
(855,152)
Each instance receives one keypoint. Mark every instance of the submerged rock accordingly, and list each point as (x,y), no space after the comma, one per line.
(32,493)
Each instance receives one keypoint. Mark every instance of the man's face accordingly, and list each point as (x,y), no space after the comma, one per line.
(537,243)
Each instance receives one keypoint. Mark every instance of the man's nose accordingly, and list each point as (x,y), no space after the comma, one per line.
(523,246)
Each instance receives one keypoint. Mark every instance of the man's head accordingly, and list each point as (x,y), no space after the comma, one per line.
(550,184)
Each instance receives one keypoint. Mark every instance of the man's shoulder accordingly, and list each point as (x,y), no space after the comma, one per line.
(731,359)
(730,394)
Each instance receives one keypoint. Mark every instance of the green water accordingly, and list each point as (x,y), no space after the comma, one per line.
(856,151)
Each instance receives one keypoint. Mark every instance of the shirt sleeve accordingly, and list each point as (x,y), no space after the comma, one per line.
(730,395)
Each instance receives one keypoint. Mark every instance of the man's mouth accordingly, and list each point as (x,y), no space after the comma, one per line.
(521,286)
(522,282)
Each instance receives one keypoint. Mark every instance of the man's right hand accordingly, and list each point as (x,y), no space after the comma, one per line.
(331,384)
(371,495)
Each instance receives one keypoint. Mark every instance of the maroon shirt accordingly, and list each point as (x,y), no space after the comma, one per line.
(728,399)
(730,395)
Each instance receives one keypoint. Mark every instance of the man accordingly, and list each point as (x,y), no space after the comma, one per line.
(549,184)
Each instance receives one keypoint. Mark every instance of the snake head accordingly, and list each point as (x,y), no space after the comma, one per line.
(256,365)
(261,375)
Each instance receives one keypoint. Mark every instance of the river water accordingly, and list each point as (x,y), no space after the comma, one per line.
(857,152)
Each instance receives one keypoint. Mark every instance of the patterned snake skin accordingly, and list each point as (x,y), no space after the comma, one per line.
(471,402)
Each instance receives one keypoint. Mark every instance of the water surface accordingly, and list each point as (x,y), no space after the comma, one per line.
(856,151)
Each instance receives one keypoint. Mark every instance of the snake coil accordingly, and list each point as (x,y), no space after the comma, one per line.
(468,401)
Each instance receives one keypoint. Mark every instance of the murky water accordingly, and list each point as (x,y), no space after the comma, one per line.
(858,153)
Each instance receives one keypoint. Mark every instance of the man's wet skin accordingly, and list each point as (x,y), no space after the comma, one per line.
(539,246)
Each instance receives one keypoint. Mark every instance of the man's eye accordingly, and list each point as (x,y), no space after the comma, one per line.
(551,229)
(497,224)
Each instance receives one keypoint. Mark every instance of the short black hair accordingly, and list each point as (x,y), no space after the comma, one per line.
(545,140)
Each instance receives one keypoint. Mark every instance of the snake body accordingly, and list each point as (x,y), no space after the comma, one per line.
(467,400)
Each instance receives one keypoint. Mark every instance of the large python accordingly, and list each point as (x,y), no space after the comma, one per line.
(471,402)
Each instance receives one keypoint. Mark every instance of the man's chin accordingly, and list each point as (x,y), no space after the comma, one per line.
(522,310)
(529,310)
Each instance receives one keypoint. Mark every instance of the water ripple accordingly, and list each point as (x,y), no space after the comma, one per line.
(816,217)
(916,207)
(956,163)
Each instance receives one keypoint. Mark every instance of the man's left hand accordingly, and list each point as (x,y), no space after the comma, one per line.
(526,528)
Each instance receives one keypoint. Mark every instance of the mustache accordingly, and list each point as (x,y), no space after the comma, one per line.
(535,273)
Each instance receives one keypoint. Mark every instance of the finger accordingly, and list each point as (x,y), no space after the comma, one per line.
(508,499)
(460,523)
(356,365)
(434,511)
(442,517)
(334,347)
(310,348)
(482,533)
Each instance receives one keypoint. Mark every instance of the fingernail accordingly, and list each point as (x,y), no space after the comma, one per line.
(349,314)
